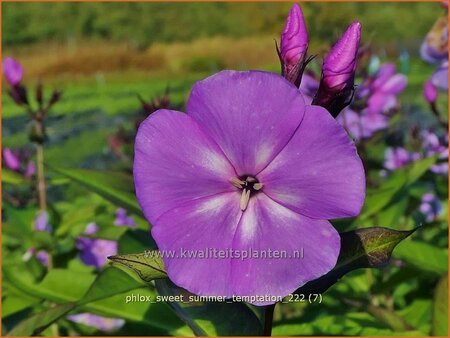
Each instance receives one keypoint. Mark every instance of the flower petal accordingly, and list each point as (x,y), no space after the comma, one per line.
(251,115)
(214,224)
(197,228)
(303,249)
(319,173)
(175,162)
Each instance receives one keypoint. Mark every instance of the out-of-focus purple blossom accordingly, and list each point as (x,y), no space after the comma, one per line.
(384,91)
(362,125)
(91,229)
(430,92)
(11,160)
(434,48)
(41,255)
(294,45)
(99,322)
(41,222)
(13,71)
(430,207)
(30,170)
(19,161)
(94,252)
(395,158)
(435,146)
(309,87)
(123,220)
(338,72)
(440,77)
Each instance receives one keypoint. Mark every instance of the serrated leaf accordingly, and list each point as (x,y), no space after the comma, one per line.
(116,187)
(361,248)
(211,318)
(440,308)
(148,265)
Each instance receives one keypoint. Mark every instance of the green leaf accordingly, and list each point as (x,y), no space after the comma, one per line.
(39,322)
(361,248)
(116,187)
(423,256)
(11,177)
(440,308)
(106,296)
(148,265)
(394,187)
(211,318)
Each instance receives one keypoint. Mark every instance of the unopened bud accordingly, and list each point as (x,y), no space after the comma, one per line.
(338,72)
(294,46)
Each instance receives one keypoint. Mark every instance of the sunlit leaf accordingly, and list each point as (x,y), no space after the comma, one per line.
(116,187)
(148,265)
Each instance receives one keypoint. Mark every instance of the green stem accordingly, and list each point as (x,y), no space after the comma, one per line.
(268,320)
(41,178)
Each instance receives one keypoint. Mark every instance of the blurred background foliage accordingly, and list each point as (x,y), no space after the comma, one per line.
(102,56)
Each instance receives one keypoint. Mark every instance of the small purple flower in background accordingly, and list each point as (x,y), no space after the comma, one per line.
(41,255)
(294,46)
(395,158)
(249,167)
(11,160)
(435,146)
(99,322)
(13,71)
(19,161)
(338,72)
(430,207)
(434,49)
(41,222)
(94,252)
(123,220)
(430,92)
(374,102)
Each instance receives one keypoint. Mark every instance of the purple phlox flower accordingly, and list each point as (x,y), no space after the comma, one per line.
(99,322)
(41,222)
(13,71)
(384,89)
(430,207)
(94,251)
(30,171)
(248,168)
(395,158)
(338,72)
(363,124)
(11,160)
(294,46)
(123,220)
(433,145)
(434,48)
(41,255)
(430,92)
(440,77)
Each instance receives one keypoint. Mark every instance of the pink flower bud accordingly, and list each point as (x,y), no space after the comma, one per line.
(340,63)
(294,45)
(13,71)
(430,92)
(338,72)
